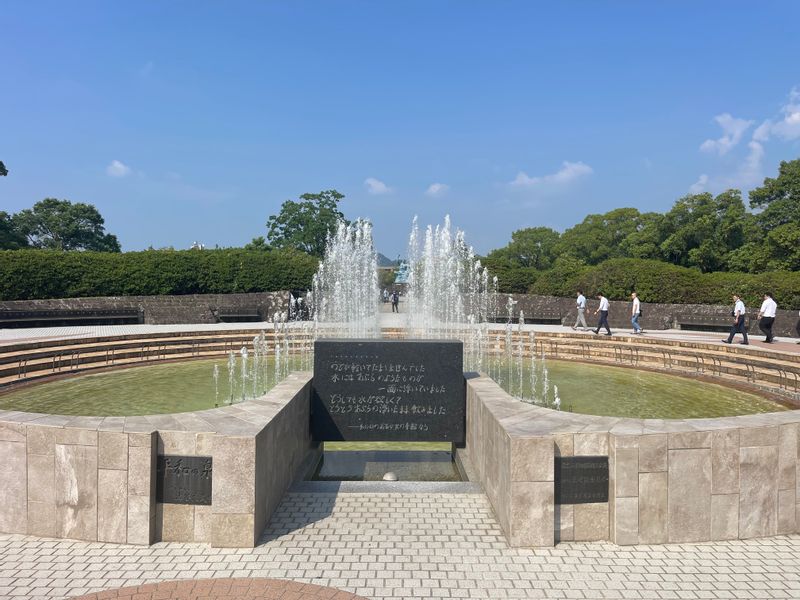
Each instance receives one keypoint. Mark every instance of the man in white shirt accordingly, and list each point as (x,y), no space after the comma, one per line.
(581,305)
(603,310)
(738,314)
(766,316)
(636,311)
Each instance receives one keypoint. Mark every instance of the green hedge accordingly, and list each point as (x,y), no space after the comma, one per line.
(657,281)
(29,274)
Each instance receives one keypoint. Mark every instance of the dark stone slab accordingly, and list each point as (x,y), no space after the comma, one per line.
(581,479)
(388,390)
(184,479)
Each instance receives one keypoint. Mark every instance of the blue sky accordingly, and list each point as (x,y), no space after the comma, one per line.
(186,121)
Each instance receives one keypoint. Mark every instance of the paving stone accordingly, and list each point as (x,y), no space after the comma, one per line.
(408,546)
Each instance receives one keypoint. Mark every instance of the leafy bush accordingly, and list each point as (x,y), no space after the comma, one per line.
(656,281)
(29,274)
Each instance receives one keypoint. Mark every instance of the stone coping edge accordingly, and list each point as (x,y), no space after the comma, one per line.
(521,419)
(246,418)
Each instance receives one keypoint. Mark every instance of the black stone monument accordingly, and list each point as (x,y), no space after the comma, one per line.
(388,390)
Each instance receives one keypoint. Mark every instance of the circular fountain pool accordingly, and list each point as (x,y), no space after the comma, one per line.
(189,386)
(628,392)
(148,390)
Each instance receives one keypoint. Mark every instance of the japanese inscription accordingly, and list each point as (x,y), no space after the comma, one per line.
(388,390)
(581,479)
(184,479)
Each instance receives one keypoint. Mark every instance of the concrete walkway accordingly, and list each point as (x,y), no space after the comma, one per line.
(424,545)
(387,319)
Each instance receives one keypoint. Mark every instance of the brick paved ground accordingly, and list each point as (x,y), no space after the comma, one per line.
(412,545)
(238,588)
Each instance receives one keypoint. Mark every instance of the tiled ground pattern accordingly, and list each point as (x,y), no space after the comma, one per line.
(409,546)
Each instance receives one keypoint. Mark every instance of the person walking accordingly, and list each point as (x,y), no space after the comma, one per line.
(636,312)
(395,302)
(738,314)
(766,316)
(581,318)
(603,310)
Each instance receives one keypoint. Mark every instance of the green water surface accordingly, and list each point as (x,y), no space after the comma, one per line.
(188,386)
(147,390)
(629,392)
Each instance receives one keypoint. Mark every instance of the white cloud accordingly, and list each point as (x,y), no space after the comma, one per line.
(788,128)
(787,125)
(569,171)
(118,169)
(750,172)
(437,189)
(699,186)
(732,131)
(376,186)
(761,134)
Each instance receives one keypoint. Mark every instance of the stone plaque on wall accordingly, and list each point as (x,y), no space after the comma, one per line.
(388,390)
(581,479)
(184,479)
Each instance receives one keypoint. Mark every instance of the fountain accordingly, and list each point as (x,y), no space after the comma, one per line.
(261,445)
(345,288)
(450,295)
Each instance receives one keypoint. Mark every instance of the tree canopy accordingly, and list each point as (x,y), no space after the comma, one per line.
(599,237)
(305,225)
(779,199)
(54,224)
(701,231)
(10,238)
(532,247)
(3,170)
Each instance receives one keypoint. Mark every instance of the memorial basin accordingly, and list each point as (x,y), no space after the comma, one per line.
(188,386)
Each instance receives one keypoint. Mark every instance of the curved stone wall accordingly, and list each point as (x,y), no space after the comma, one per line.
(671,481)
(92,478)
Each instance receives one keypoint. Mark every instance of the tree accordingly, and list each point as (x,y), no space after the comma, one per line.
(645,240)
(386,277)
(60,225)
(704,230)
(532,247)
(306,225)
(782,248)
(257,243)
(10,238)
(779,198)
(3,170)
(600,237)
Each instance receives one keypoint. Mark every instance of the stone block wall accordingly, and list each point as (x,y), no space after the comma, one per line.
(77,482)
(94,478)
(159,310)
(670,481)
(655,316)
(719,484)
